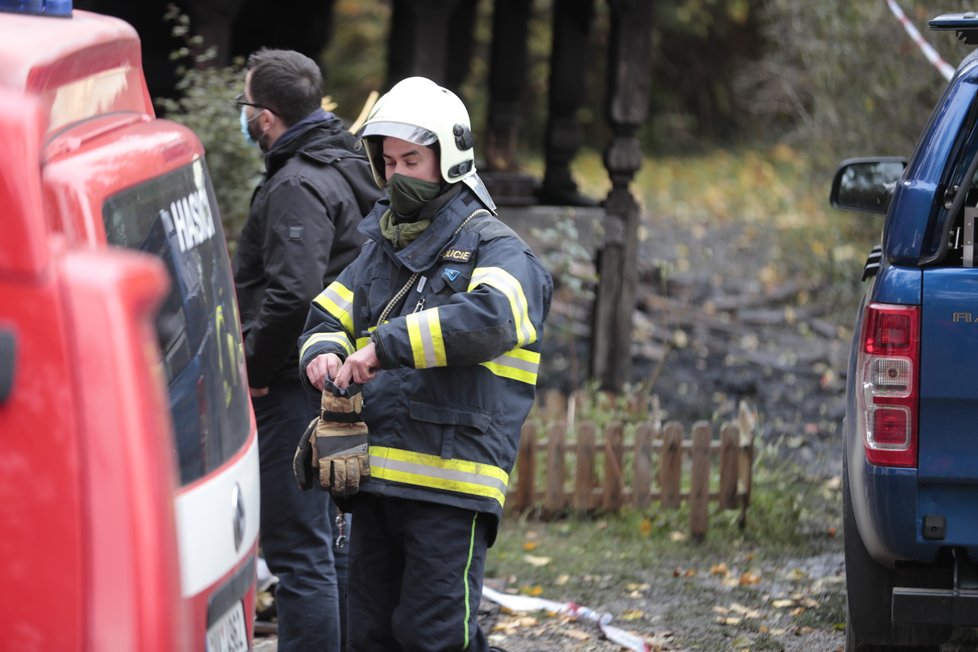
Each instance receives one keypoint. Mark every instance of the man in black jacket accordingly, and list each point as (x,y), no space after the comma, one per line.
(300,233)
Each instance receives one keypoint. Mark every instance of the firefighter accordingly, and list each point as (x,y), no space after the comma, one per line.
(440,319)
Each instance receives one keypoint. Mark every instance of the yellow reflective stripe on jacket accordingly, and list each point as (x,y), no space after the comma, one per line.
(338,338)
(365,338)
(518,364)
(509,286)
(427,343)
(337,301)
(422,470)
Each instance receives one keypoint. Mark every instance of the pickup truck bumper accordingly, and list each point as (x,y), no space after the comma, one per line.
(936,606)
(891,507)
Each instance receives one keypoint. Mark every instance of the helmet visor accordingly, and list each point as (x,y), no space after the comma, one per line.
(410,133)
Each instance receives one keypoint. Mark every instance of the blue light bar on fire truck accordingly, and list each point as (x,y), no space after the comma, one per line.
(60,8)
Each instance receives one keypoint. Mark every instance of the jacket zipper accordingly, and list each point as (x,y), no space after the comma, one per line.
(421,284)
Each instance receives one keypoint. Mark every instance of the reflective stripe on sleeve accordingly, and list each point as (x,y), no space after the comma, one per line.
(337,338)
(337,300)
(508,284)
(427,343)
(422,470)
(517,364)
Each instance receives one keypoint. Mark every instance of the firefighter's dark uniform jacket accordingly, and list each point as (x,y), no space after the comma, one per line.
(460,348)
(301,231)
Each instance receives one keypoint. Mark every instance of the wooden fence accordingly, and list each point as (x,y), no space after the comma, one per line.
(656,463)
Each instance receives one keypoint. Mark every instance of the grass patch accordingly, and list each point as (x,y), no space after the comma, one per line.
(789,514)
(775,194)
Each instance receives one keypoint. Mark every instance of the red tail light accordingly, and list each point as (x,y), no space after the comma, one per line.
(889,360)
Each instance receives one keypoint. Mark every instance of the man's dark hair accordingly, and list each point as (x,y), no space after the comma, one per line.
(287,82)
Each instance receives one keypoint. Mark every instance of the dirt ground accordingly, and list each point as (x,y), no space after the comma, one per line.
(714,326)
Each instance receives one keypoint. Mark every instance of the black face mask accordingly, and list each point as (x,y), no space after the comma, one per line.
(409,195)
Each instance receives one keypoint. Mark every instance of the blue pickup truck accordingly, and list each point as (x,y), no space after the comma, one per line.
(911,431)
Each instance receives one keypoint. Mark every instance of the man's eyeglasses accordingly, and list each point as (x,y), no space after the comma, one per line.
(240,101)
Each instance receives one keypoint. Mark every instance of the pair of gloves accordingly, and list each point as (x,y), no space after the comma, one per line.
(334,446)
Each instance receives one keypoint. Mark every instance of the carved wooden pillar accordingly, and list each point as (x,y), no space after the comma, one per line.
(432,38)
(629,84)
(569,55)
(507,83)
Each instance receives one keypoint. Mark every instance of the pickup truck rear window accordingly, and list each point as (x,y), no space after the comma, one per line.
(175,217)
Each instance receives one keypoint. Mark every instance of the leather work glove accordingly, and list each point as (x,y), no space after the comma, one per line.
(302,462)
(339,441)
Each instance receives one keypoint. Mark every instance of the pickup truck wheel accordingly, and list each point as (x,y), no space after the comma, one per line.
(869,587)
(869,596)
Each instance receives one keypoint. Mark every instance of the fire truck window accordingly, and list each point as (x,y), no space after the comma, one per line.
(175,217)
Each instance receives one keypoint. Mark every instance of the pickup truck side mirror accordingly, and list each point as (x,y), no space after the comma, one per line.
(866,184)
(8,363)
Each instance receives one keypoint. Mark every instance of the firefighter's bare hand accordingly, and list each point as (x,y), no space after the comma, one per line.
(322,367)
(361,367)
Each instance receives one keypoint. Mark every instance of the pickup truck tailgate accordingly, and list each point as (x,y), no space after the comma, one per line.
(948,426)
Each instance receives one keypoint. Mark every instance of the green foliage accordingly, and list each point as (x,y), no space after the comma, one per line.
(790,513)
(206,106)
(355,63)
(777,194)
(563,254)
(697,48)
(844,78)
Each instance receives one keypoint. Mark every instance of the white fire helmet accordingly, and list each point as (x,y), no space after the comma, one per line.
(420,111)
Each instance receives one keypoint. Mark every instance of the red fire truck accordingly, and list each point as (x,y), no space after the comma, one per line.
(129,497)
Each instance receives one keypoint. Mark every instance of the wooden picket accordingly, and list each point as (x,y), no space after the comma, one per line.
(558,472)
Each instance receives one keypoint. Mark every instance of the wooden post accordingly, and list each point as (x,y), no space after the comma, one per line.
(729,463)
(554,497)
(671,464)
(526,468)
(644,433)
(553,405)
(614,458)
(747,425)
(507,83)
(628,92)
(421,39)
(699,489)
(584,484)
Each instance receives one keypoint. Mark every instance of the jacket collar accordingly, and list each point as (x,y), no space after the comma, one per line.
(317,131)
(451,209)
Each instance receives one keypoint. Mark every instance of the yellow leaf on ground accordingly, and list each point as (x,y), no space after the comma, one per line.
(533,560)
(749,579)
(744,611)
(578,634)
